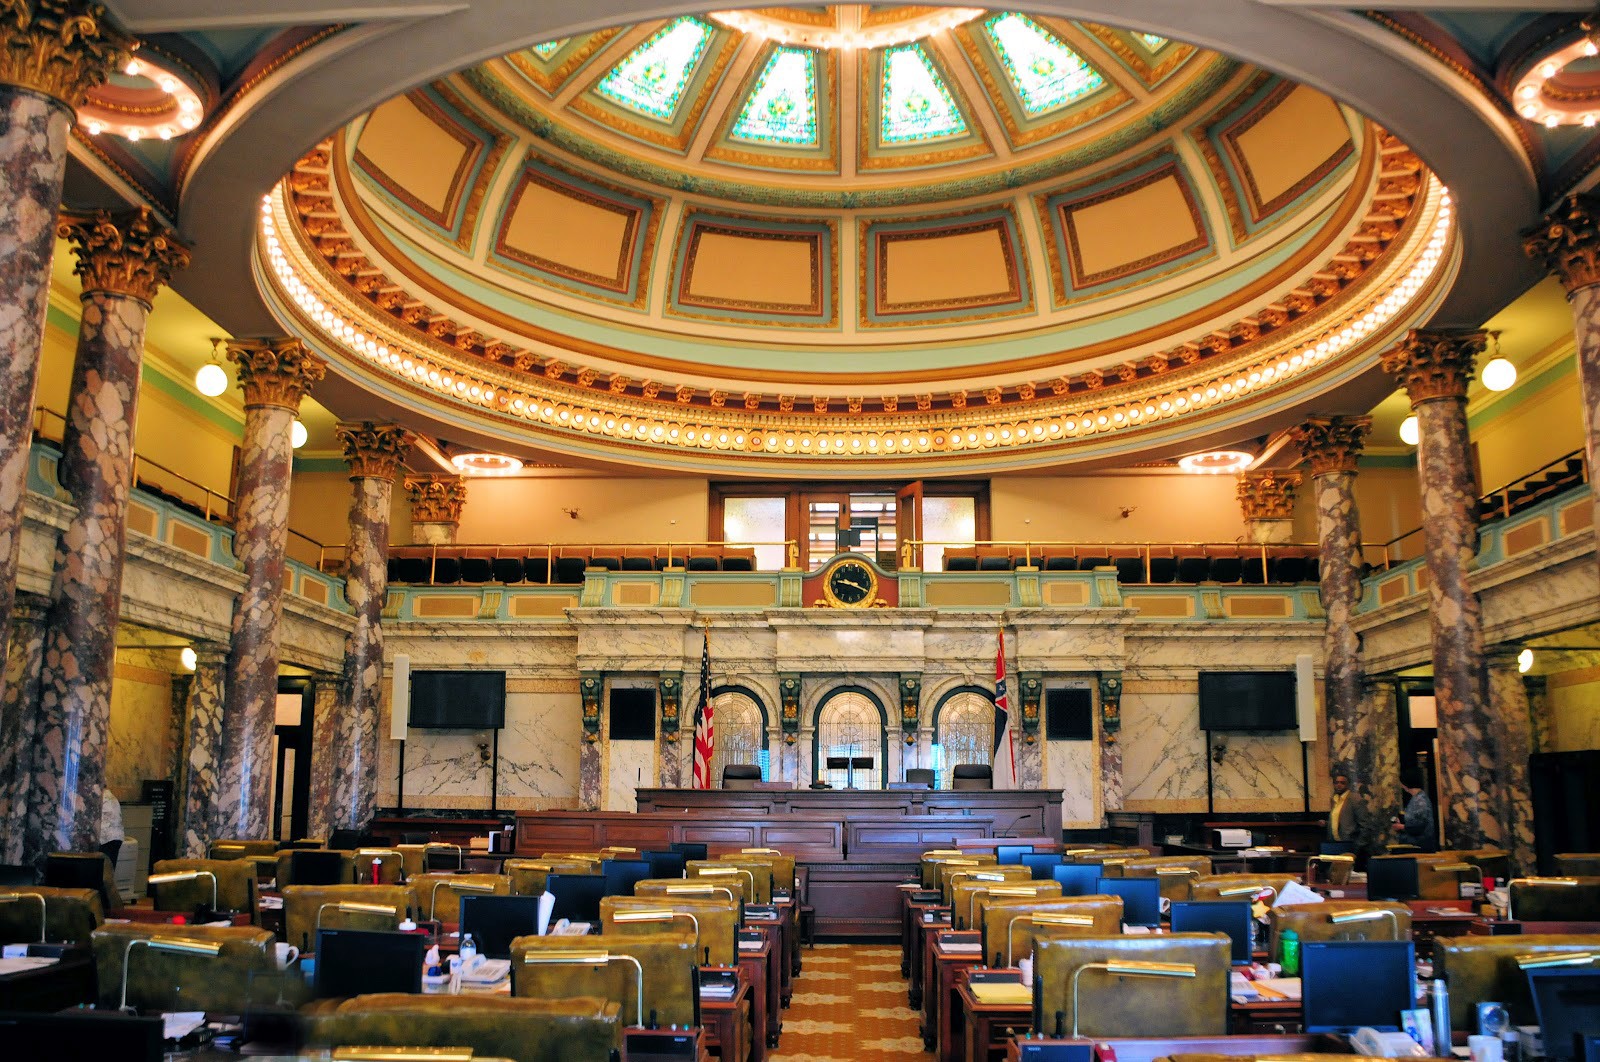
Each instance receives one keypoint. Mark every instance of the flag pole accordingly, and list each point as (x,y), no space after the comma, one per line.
(1011,731)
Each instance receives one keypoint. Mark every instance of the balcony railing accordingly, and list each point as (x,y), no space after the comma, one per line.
(1143,563)
(555,563)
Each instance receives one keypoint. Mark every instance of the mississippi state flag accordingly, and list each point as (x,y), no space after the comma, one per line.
(705,739)
(1005,742)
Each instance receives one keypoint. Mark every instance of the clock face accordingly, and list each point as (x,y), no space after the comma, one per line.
(851,584)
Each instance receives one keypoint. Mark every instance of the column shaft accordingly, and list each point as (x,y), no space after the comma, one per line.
(1514,730)
(1110,746)
(1586,325)
(18,722)
(324,748)
(204,816)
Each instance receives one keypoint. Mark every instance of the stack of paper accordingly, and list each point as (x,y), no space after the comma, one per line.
(1003,993)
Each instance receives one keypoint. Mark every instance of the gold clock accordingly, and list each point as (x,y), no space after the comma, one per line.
(850,583)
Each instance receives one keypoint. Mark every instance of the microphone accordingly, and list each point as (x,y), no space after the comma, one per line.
(1017,822)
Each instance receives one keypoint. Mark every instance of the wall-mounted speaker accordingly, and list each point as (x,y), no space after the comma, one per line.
(1305,697)
(1068,715)
(400,701)
(632,714)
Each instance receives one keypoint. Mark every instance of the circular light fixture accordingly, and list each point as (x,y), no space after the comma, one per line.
(1525,661)
(298,435)
(1499,375)
(1552,94)
(150,98)
(211,379)
(486,464)
(189,659)
(1216,462)
(1409,432)
(843,29)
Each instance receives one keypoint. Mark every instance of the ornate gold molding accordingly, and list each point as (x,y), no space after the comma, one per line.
(1566,242)
(373,450)
(1331,444)
(275,372)
(1267,494)
(128,253)
(436,499)
(61,48)
(1432,364)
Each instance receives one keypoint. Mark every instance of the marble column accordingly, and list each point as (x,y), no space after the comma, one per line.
(1538,690)
(1513,732)
(1435,367)
(436,505)
(591,755)
(274,375)
(17,733)
(52,53)
(1567,244)
(325,714)
(122,261)
(1333,445)
(374,453)
(203,816)
(1266,499)
(1110,746)
(1378,720)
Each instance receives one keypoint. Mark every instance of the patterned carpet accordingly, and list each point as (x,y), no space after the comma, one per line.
(850,1006)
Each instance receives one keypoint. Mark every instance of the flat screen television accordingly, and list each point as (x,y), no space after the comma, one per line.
(1247,700)
(458,700)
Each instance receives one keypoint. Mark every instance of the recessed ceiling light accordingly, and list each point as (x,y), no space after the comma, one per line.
(1216,462)
(486,464)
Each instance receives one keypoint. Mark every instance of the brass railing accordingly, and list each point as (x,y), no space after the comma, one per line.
(1503,501)
(1036,551)
(675,554)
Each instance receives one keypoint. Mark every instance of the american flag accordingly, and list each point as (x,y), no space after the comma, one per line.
(705,739)
(1005,750)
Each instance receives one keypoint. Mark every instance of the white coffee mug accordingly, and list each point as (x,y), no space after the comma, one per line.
(286,955)
(1485,1048)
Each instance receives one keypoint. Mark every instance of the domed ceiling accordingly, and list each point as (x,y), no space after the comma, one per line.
(950,238)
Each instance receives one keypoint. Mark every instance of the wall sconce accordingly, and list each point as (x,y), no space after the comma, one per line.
(571,513)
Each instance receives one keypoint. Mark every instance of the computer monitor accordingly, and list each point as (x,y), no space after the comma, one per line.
(495,921)
(82,1034)
(1392,878)
(1040,864)
(621,874)
(577,896)
(1076,879)
(345,839)
(74,873)
(1567,1001)
(689,849)
(358,962)
(665,864)
(1347,985)
(1141,898)
(317,868)
(1010,855)
(1218,916)
(1336,848)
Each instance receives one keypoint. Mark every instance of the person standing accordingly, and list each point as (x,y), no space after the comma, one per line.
(110,827)
(1417,826)
(1345,811)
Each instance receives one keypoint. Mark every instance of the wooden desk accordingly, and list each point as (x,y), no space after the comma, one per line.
(1013,811)
(66,983)
(941,1014)
(778,986)
(723,1020)
(988,1027)
(1147,1049)
(1263,1017)
(1428,922)
(757,965)
(921,933)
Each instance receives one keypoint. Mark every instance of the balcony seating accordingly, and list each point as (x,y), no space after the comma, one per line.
(608,558)
(506,569)
(961,560)
(1226,564)
(1060,562)
(704,559)
(738,559)
(994,559)
(569,563)
(477,564)
(1090,561)
(638,560)
(1129,564)
(447,565)
(536,567)
(1163,566)
(1252,569)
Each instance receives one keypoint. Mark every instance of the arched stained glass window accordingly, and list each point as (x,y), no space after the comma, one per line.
(739,724)
(915,103)
(652,78)
(965,732)
(850,727)
(782,107)
(1044,71)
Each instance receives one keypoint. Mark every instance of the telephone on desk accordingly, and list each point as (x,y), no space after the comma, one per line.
(1375,1044)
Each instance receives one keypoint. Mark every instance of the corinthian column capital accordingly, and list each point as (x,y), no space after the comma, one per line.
(1566,242)
(1432,364)
(59,48)
(436,499)
(373,450)
(275,372)
(128,253)
(1267,494)
(1331,444)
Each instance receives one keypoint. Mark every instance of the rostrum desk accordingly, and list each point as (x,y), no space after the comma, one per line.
(854,845)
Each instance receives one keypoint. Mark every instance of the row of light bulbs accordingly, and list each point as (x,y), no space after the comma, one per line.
(1497,375)
(211,380)
(1550,110)
(98,119)
(417,369)
(915,29)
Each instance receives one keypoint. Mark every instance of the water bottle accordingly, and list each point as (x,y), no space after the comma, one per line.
(1441,1018)
(1289,953)
(468,951)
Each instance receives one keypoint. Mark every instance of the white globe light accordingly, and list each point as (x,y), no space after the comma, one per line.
(189,659)
(1525,661)
(211,380)
(297,435)
(1499,375)
(1409,433)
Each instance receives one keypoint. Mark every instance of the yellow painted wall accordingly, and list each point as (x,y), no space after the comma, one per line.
(319,506)
(1574,700)
(610,509)
(1167,508)
(1538,429)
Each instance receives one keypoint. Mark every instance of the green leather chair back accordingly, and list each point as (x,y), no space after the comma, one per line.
(285,869)
(952,874)
(1478,968)
(1578,864)
(1313,921)
(69,914)
(782,866)
(528,875)
(391,865)
(967,894)
(749,881)
(1213,886)
(1495,862)
(437,899)
(236,885)
(1177,874)
(110,898)
(162,980)
(668,960)
(1547,901)
(932,874)
(229,849)
(1435,884)
(1124,1005)
(1009,922)
(718,920)
(302,902)
(524,1030)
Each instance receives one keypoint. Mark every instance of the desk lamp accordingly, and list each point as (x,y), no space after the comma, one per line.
(1514,882)
(224,846)
(591,958)
(461,859)
(459,886)
(1458,868)
(1367,914)
(402,1054)
(1043,918)
(378,853)
(728,872)
(698,890)
(17,897)
(655,915)
(1247,890)
(1545,960)
(996,890)
(351,907)
(1327,859)
(1129,968)
(186,875)
(210,949)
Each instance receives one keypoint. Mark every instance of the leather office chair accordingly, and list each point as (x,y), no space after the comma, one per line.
(1130,1005)
(1575,899)
(921,776)
(1315,921)
(932,861)
(1486,968)
(952,875)
(303,903)
(740,776)
(752,883)
(524,1030)
(1220,886)
(84,870)
(972,776)
(528,875)
(1578,864)
(667,960)
(165,980)
(716,918)
(436,898)
(236,885)
(69,914)
(315,867)
(1009,928)
(967,896)
(229,849)
(1176,873)
(782,864)
(391,865)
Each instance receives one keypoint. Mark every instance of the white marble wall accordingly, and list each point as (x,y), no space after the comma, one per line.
(629,765)
(1071,766)
(1258,772)
(1164,750)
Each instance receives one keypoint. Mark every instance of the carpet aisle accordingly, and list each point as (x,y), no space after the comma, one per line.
(849,1005)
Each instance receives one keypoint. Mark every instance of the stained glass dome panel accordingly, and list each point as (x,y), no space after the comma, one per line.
(782,108)
(1044,71)
(652,78)
(915,103)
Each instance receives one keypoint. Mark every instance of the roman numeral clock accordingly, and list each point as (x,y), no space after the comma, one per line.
(848,581)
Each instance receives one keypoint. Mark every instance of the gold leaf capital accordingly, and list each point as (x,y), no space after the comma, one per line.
(128,253)
(373,450)
(275,372)
(1567,242)
(1434,363)
(1332,444)
(61,48)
